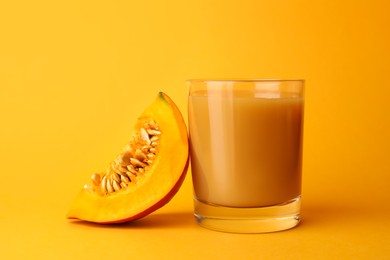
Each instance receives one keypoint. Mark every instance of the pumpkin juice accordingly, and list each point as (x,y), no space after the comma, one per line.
(245,150)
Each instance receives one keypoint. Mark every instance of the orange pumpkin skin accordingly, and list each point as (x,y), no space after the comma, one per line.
(157,186)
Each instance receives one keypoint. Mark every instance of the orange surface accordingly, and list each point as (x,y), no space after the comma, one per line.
(74,75)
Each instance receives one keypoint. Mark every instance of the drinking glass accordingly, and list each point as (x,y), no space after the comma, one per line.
(246,153)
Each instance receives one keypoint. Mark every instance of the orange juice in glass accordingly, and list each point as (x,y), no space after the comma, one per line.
(246,153)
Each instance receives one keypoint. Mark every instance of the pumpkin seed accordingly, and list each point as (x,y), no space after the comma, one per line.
(116,185)
(115,177)
(125,179)
(103,185)
(153,124)
(153,132)
(145,136)
(137,163)
(96,179)
(154,138)
(139,155)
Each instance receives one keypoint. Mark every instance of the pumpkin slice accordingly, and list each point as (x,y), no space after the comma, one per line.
(145,176)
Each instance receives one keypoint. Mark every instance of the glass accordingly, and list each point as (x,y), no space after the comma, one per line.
(246,153)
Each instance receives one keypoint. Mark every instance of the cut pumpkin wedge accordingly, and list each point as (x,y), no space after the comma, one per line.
(145,175)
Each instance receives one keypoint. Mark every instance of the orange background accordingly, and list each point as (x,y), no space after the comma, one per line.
(74,76)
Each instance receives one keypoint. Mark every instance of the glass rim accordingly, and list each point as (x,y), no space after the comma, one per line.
(244,80)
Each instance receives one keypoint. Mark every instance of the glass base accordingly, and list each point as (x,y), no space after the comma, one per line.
(248,220)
